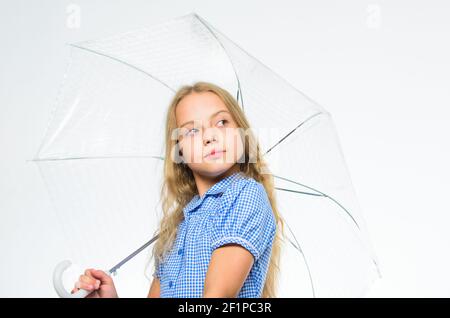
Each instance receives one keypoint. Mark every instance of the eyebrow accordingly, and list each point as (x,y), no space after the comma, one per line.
(220,111)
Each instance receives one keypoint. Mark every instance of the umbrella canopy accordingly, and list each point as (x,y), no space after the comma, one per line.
(102,156)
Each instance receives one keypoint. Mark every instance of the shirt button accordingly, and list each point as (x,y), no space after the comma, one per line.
(170,284)
(180,251)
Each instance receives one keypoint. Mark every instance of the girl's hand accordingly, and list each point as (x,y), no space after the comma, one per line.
(97,281)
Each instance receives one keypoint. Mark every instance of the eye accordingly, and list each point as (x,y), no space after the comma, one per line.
(222,122)
(191,132)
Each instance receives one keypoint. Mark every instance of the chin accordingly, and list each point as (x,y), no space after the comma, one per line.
(211,169)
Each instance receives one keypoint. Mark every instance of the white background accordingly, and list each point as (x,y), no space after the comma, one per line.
(380,67)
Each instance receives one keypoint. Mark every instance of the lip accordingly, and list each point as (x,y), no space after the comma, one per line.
(217,153)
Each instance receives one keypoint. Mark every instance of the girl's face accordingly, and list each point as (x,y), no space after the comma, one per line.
(208,136)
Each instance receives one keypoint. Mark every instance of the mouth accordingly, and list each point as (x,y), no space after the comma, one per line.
(215,153)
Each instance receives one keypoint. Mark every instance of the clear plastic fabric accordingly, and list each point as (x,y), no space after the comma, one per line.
(102,156)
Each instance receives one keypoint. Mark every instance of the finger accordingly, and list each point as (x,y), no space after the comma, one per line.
(85,286)
(102,276)
(90,279)
(87,279)
(88,272)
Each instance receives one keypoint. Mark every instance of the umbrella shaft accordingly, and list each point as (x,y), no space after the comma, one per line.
(126,259)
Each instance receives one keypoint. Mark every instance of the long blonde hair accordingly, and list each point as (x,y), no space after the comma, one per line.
(178,186)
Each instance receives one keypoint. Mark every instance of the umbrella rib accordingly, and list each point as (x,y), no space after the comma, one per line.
(123,62)
(374,261)
(298,247)
(298,126)
(300,192)
(93,157)
(298,244)
(324,195)
(228,55)
(280,78)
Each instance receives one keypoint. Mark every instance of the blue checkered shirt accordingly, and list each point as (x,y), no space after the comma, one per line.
(234,210)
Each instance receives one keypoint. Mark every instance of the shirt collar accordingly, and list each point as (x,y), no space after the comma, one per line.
(218,187)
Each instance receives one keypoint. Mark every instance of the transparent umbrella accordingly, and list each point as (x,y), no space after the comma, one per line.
(102,157)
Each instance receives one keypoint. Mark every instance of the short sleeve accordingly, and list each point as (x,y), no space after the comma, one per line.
(247,221)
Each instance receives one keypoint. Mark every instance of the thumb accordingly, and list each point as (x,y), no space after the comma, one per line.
(102,276)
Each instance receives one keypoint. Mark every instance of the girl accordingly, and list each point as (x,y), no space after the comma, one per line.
(221,231)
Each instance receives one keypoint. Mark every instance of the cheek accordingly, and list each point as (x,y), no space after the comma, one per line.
(192,149)
(234,144)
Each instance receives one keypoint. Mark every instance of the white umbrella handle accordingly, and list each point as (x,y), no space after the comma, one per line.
(82,293)
(58,284)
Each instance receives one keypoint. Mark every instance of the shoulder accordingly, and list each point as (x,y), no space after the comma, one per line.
(245,218)
(243,199)
(244,189)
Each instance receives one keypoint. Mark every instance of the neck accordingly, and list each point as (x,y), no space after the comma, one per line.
(204,183)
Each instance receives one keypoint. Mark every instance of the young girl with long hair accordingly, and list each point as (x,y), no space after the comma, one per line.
(220,234)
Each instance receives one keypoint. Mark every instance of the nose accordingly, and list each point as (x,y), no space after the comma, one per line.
(209,135)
